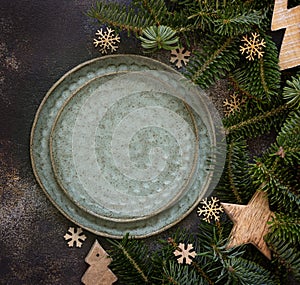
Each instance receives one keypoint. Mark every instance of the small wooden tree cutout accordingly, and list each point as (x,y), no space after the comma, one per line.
(98,273)
(290,20)
(250,222)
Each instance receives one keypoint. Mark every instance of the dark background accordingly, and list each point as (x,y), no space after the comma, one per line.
(39,42)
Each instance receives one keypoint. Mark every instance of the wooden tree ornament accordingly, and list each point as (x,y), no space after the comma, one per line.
(98,273)
(290,19)
(250,222)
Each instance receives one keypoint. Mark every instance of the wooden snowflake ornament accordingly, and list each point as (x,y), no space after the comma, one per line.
(185,254)
(106,40)
(280,152)
(210,209)
(98,273)
(250,222)
(75,237)
(253,46)
(233,104)
(288,19)
(180,56)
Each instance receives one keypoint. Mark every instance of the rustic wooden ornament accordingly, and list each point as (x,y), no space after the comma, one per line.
(290,20)
(211,210)
(98,273)
(250,222)
(185,253)
(181,56)
(233,104)
(106,40)
(75,237)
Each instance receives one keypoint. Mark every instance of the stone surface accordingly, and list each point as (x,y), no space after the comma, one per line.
(39,42)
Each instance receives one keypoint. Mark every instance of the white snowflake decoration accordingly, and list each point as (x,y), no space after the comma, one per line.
(106,40)
(185,253)
(75,237)
(180,56)
(253,46)
(210,209)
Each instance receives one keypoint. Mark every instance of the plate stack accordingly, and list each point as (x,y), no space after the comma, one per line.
(125,144)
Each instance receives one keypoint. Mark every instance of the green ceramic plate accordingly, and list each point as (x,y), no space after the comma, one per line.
(132,78)
(125,154)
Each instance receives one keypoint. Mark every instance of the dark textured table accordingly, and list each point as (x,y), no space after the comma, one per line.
(39,42)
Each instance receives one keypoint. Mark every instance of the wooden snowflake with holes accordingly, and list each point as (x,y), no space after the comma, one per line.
(106,40)
(74,237)
(253,46)
(181,56)
(185,254)
(233,104)
(210,209)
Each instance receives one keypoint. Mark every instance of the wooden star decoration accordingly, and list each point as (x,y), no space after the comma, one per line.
(250,222)
(288,19)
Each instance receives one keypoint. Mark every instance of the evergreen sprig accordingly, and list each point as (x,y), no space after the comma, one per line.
(235,184)
(286,227)
(286,149)
(291,92)
(286,255)
(214,30)
(218,55)
(121,17)
(264,83)
(245,272)
(280,184)
(252,122)
(131,261)
(238,20)
(159,37)
(174,274)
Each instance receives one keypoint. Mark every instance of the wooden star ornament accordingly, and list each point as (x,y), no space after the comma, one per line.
(288,19)
(250,222)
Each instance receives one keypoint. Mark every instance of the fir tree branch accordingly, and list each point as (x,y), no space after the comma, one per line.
(155,13)
(129,259)
(210,60)
(235,183)
(256,119)
(120,17)
(291,92)
(245,272)
(237,20)
(176,274)
(133,263)
(261,77)
(217,57)
(230,175)
(278,185)
(286,228)
(202,273)
(285,253)
(241,89)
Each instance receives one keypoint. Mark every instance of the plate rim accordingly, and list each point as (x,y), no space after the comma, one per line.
(39,110)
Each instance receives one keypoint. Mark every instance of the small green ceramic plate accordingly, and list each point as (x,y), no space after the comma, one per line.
(121,144)
(125,154)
